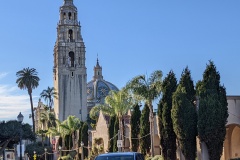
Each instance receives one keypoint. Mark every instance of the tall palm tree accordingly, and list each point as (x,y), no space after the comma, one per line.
(48,95)
(147,89)
(116,103)
(28,79)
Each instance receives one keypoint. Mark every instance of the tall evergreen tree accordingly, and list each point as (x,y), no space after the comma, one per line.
(167,135)
(184,116)
(212,111)
(111,133)
(187,82)
(135,127)
(84,133)
(145,139)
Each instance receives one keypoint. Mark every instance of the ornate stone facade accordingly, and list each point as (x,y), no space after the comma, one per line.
(69,71)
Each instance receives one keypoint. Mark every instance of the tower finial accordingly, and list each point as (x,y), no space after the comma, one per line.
(68,1)
(97,71)
(97,60)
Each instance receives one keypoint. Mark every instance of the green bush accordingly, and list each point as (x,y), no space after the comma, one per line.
(157,157)
(68,157)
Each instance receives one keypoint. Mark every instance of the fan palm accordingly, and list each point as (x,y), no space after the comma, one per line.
(147,89)
(48,95)
(28,79)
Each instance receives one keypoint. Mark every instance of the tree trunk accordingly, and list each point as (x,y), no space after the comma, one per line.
(151,119)
(33,121)
(121,132)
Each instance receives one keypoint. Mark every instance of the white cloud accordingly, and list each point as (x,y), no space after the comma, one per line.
(2,75)
(11,104)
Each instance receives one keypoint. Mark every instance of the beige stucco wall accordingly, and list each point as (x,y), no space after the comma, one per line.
(101,131)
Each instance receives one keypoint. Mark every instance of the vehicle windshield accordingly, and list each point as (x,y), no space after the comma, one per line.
(115,157)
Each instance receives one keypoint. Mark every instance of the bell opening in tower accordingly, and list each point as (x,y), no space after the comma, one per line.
(70,35)
(71,59)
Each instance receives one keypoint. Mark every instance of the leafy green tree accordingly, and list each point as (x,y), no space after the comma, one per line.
(187,82)
(28,79)
(111,133)
(39,149)
(167,135)
(42,133)
(147,89)
(184,123)
(97,148)
(184,116)
(135,127)
(48,95)
(145,139)
(84,133)
(10,133)
(212,111)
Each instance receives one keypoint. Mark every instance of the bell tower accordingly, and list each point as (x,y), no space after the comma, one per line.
(69,70)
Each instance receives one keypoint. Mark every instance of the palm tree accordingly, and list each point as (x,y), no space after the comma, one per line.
(58,130)
(117,103)
(71,125)
(48,95)
(48,119)
(28,79)
(147,89)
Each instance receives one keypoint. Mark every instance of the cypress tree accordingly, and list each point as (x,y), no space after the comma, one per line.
(111,133)
(167,135)
(145,140)
(212,111)
(135,127)
(84,133)
(187,82)
(184,116)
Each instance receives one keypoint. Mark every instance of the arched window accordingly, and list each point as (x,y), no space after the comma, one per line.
(64,15)
(71,59)
(70,35)
(69,15)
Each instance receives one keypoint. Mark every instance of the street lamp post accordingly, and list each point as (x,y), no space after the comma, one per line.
(60,151)
(82,150)
(20,119)
(34,155)
(45,149)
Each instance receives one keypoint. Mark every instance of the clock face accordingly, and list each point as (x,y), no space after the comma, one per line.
(103,91)
(89,90)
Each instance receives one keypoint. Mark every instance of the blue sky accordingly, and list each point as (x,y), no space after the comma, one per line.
(130,38)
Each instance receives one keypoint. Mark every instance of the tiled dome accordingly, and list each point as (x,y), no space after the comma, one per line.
(98,88)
